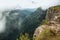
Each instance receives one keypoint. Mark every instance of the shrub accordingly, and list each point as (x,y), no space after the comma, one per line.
(44,22)
(24,37)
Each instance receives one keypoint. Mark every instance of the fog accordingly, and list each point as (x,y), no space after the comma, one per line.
(23,4)
(2,22)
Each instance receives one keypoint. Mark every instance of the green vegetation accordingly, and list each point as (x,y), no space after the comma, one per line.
(47,34)
(34,20)
(31,22)
(44,22)
(24,37)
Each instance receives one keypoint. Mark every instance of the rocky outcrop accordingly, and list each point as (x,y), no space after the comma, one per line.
(53,19)
(53,13)
(55,27)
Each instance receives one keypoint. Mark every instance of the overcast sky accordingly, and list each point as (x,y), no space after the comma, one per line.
(23,4)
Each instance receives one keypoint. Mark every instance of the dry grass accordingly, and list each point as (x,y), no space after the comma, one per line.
(47,35)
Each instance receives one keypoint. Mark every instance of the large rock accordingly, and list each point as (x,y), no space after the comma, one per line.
(52,18)
(53,13)
(41,28)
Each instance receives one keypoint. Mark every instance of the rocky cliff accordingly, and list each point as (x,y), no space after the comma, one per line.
(53,25)
(53,13)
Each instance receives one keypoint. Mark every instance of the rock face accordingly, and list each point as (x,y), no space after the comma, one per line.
(53,13)
(41,28)
(52,17)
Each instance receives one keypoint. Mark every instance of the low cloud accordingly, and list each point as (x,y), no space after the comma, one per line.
(23,4)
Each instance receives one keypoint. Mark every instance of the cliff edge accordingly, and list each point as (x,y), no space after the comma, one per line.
(50,30)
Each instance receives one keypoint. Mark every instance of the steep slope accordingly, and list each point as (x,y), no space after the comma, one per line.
(51,30)
(28,11)
(32,21)
(14,18)
(52,12)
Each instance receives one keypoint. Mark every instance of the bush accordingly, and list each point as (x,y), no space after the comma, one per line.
(44,22)
(47,34)
(24,37)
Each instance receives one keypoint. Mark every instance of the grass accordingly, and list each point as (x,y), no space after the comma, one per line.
(47,34)
(24,37)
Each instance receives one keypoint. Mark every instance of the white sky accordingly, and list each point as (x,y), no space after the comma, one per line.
(27,3)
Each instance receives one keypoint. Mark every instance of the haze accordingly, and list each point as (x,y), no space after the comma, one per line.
(23,4)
